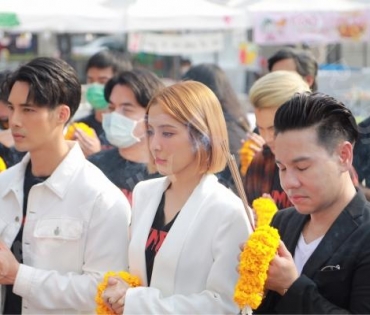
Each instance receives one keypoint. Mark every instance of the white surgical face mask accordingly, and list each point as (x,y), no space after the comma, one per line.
(119,130)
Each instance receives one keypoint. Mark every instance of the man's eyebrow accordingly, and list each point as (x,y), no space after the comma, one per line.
(22,105)
(300,159)
(296,160)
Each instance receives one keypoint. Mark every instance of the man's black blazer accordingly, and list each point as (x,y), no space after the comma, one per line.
(336,278)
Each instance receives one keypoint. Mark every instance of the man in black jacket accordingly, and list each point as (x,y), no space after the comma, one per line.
(323,262)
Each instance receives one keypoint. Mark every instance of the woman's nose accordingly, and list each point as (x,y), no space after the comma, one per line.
(154,142)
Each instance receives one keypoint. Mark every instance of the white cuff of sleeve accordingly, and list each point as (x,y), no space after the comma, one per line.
(23,281)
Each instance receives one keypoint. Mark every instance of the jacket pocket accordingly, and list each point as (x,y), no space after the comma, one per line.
(59,228)
(58,243)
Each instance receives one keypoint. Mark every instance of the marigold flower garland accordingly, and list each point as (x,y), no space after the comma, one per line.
(2,164)
(132,281)
(246,156)
(260,249)
(265,209)
(70,134)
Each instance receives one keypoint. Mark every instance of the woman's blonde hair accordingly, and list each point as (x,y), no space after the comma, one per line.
(275,88)
(196,106)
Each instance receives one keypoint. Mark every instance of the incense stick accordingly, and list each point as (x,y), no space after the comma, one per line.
(238,181)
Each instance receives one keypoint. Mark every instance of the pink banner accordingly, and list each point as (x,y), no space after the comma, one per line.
(312,27)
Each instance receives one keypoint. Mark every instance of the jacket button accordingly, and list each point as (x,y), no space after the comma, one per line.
(16,219)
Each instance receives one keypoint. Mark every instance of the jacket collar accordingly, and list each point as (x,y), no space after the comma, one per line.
(348,221)
(294,230)
(59,180)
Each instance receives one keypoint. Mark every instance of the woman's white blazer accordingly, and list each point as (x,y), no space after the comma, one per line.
(194,271)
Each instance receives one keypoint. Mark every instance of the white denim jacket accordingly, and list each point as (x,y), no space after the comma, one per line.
(76,229)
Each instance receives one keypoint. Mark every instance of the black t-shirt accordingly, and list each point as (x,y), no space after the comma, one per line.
(13,302)
(156,237)
(10,155)
(123,173)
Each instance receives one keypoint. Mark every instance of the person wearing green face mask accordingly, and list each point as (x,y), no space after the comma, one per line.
(99,69)
(95,96)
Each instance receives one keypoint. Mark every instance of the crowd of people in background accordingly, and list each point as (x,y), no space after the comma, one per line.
(149,191)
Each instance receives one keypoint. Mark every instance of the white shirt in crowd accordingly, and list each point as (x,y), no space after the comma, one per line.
(76,229)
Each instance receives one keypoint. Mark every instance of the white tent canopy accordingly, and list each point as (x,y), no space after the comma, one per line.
(112,16)
(305,6)
(174,15)
(62,16)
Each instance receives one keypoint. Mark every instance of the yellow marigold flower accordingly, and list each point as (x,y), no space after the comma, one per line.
(2,164)
(70,134)
(265,209)
(131,280)
(246,156)
(259,250)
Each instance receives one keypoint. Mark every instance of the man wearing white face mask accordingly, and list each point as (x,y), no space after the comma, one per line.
(99,69)
(128,94)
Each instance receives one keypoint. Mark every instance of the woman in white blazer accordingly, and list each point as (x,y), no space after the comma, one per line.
(186,227)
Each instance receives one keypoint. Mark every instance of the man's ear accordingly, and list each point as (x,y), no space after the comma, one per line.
(309,79)
(63,114)
(345,154)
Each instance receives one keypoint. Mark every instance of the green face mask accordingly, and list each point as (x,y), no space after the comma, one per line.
(95,96)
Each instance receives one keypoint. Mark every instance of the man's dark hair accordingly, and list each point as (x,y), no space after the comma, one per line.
(304,60)
(4,93)
(143,83)
(116,60)
(332,120)
(185,62)
(52,82)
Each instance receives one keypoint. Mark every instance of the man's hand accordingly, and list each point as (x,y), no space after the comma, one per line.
(88,144)
(114,295)
(282,272)
(9,265)
(257,142)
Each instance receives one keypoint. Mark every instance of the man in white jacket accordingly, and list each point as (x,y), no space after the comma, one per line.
(62,222)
